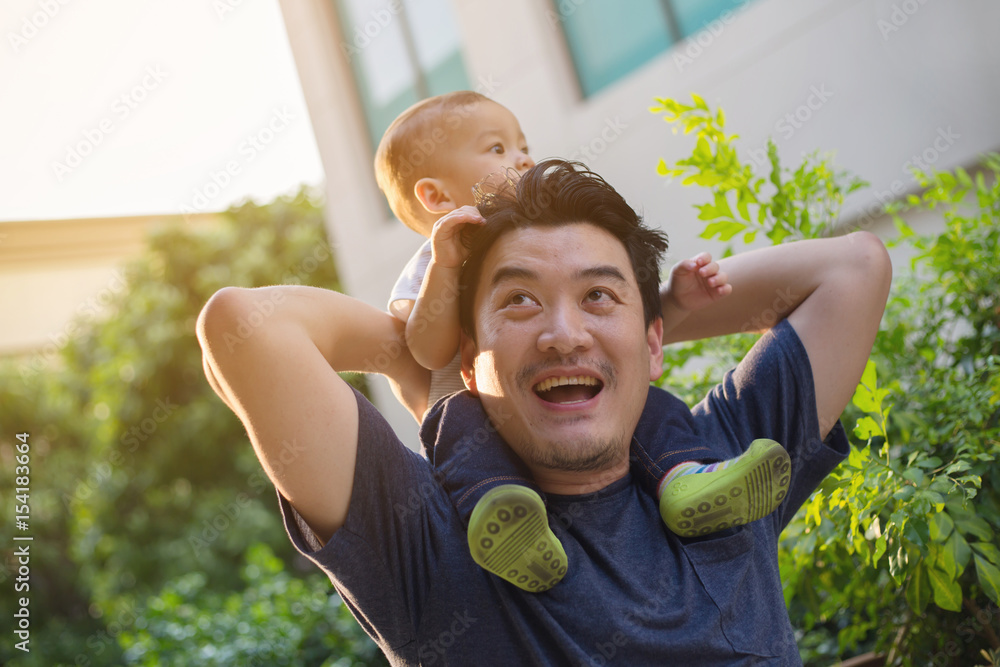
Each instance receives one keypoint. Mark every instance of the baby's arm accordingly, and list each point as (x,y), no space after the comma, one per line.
(432,326)
(693,284)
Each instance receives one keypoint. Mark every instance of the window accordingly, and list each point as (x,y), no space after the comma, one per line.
(608,39)
(401,51)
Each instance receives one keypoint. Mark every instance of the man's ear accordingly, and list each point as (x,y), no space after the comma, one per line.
(654,338)
(468,350)
(433,195)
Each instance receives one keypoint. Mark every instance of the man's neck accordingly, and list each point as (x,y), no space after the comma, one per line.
(567,483)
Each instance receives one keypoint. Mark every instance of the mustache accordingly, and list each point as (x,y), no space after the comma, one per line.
(604,369)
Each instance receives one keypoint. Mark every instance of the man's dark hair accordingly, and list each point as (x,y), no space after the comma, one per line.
(559,192)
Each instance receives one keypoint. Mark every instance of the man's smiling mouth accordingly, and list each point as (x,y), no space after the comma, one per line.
(568,390)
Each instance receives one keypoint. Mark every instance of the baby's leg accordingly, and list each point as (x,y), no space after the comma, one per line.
(493,491)
(698,493)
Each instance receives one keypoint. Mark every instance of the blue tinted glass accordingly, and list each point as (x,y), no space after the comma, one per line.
(399,57)
(693,15)
(609,39)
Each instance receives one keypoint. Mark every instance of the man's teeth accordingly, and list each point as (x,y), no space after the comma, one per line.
(545,385)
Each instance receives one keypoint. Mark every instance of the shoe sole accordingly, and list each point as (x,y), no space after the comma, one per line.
(509,535)
(749,489)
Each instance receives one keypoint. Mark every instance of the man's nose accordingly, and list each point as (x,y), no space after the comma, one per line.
(565,332)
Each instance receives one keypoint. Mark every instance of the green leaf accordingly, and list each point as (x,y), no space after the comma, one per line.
(725,230)
(703,150)
(742,201)
(918,592)
(940,526)
(988,551)
(947,591)
(989,578)
(867,428)
(662,169)
(880,545)
(975,525)
(959,550)
(699,102)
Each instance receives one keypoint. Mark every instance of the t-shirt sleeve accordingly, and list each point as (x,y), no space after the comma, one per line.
(407,286)
(770,394)
(383,556)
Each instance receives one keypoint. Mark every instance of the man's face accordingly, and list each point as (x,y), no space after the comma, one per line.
(563,360)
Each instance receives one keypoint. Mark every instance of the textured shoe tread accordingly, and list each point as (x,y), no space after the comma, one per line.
(509,536)
(748,490)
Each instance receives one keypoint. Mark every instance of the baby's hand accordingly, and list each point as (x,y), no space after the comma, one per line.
(447,248)
(697,282)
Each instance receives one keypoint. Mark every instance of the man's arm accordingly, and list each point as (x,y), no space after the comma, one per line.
(832,291)
(271,354)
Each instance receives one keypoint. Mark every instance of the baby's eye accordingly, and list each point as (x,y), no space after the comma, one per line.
(498,149)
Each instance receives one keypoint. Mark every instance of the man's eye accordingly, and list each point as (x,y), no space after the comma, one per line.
(520,300)
(598,295)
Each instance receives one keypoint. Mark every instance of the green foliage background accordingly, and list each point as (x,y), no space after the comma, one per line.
(897,551)
(156,536)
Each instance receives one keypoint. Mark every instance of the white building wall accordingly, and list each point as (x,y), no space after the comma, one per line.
(878,81)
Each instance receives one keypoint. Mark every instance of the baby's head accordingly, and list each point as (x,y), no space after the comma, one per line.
(433,155)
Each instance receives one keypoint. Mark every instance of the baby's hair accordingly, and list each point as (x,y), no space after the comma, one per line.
(406,152)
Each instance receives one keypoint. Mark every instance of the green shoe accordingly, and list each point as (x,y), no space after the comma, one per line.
(509,536)
(750,488)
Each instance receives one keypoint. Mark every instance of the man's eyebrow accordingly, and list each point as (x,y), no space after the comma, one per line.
(602,271)
(512,273)
(590,273)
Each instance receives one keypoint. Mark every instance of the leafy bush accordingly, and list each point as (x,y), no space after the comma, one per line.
(141,475)
(901,538)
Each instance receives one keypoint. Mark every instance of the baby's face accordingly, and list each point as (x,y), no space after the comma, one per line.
(485,140)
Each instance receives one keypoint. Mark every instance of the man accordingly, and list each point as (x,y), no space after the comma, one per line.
(555,288)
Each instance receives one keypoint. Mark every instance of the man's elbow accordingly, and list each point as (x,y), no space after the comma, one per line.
(221,316)
(871,260)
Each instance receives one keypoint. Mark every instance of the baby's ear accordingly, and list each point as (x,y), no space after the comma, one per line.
(433,196)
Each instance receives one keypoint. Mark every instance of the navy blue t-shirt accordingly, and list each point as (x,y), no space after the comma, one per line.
(635,593)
